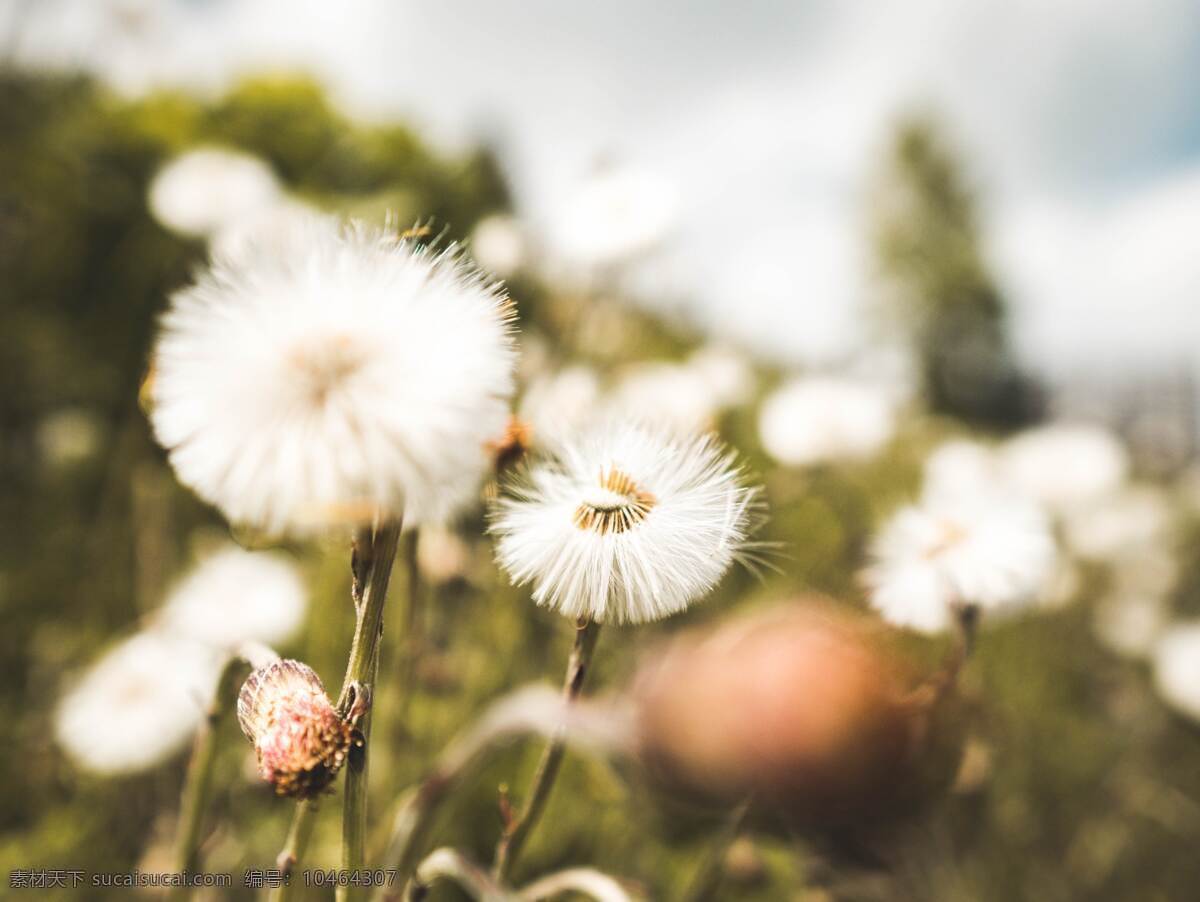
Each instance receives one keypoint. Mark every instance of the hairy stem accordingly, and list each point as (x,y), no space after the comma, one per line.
(197,787)
(374,554)
(587,632)
(707,880)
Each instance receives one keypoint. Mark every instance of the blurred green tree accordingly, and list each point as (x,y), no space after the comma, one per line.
(935,284)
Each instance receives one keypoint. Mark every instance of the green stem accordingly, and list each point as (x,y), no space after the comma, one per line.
(414,644)
(587,632)
(374,554)
(295,846)
(708,878)
(197,787)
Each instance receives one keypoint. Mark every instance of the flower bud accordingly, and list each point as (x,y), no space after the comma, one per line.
(300,740)
(801,708)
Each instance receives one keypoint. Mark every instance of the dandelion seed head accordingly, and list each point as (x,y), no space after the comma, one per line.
(235,596)
(207,189)
(138,704)
(625,523)
(614,216)
(818,419)
(1177,668)
(1063,464)
(339,372)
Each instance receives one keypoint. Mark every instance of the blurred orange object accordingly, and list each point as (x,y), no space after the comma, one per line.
(803,708)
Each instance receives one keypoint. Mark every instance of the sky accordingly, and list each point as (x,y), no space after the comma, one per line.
(1079,121)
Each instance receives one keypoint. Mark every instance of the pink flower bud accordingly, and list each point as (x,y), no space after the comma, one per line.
(300,739)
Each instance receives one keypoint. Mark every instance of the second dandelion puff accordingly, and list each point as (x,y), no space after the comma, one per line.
(625,523)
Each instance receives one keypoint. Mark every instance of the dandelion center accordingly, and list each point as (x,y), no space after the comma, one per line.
(951,534)
(614,504)
(321,367)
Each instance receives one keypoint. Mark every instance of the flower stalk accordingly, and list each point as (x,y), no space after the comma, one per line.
(707,880)
(371,564)
(516,832)
(197,787)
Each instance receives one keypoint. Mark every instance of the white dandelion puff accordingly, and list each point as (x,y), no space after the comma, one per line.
(727,373)
(138,704)
(207,189)
(1177,668)
(236,596)
(960,468)
(625,524)
(1060,465)
(560,402)
(498,244)
(614,216)
(672,394)
(275,226)
(1132,518)
(818,419)
(343,373)
(990,553)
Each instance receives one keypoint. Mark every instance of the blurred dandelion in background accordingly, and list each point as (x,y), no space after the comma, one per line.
(208,189)
(235,596)
(993,553)
(817,420)
(138,704)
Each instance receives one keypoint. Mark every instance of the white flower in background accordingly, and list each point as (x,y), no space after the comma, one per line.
(138,704)
(615,215)
(1177,668)
(236,596)
(818,419)
(1129,625)
(272,228)
(670,394)
(206,189)
(1061,465)
(960,468)
(346,375)
(1107,527)
(727,373)
(625,524)
(988,552)
(561,402)
(442,554)
(498,244)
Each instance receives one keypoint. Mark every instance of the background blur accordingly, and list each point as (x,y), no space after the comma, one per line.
(992,209)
